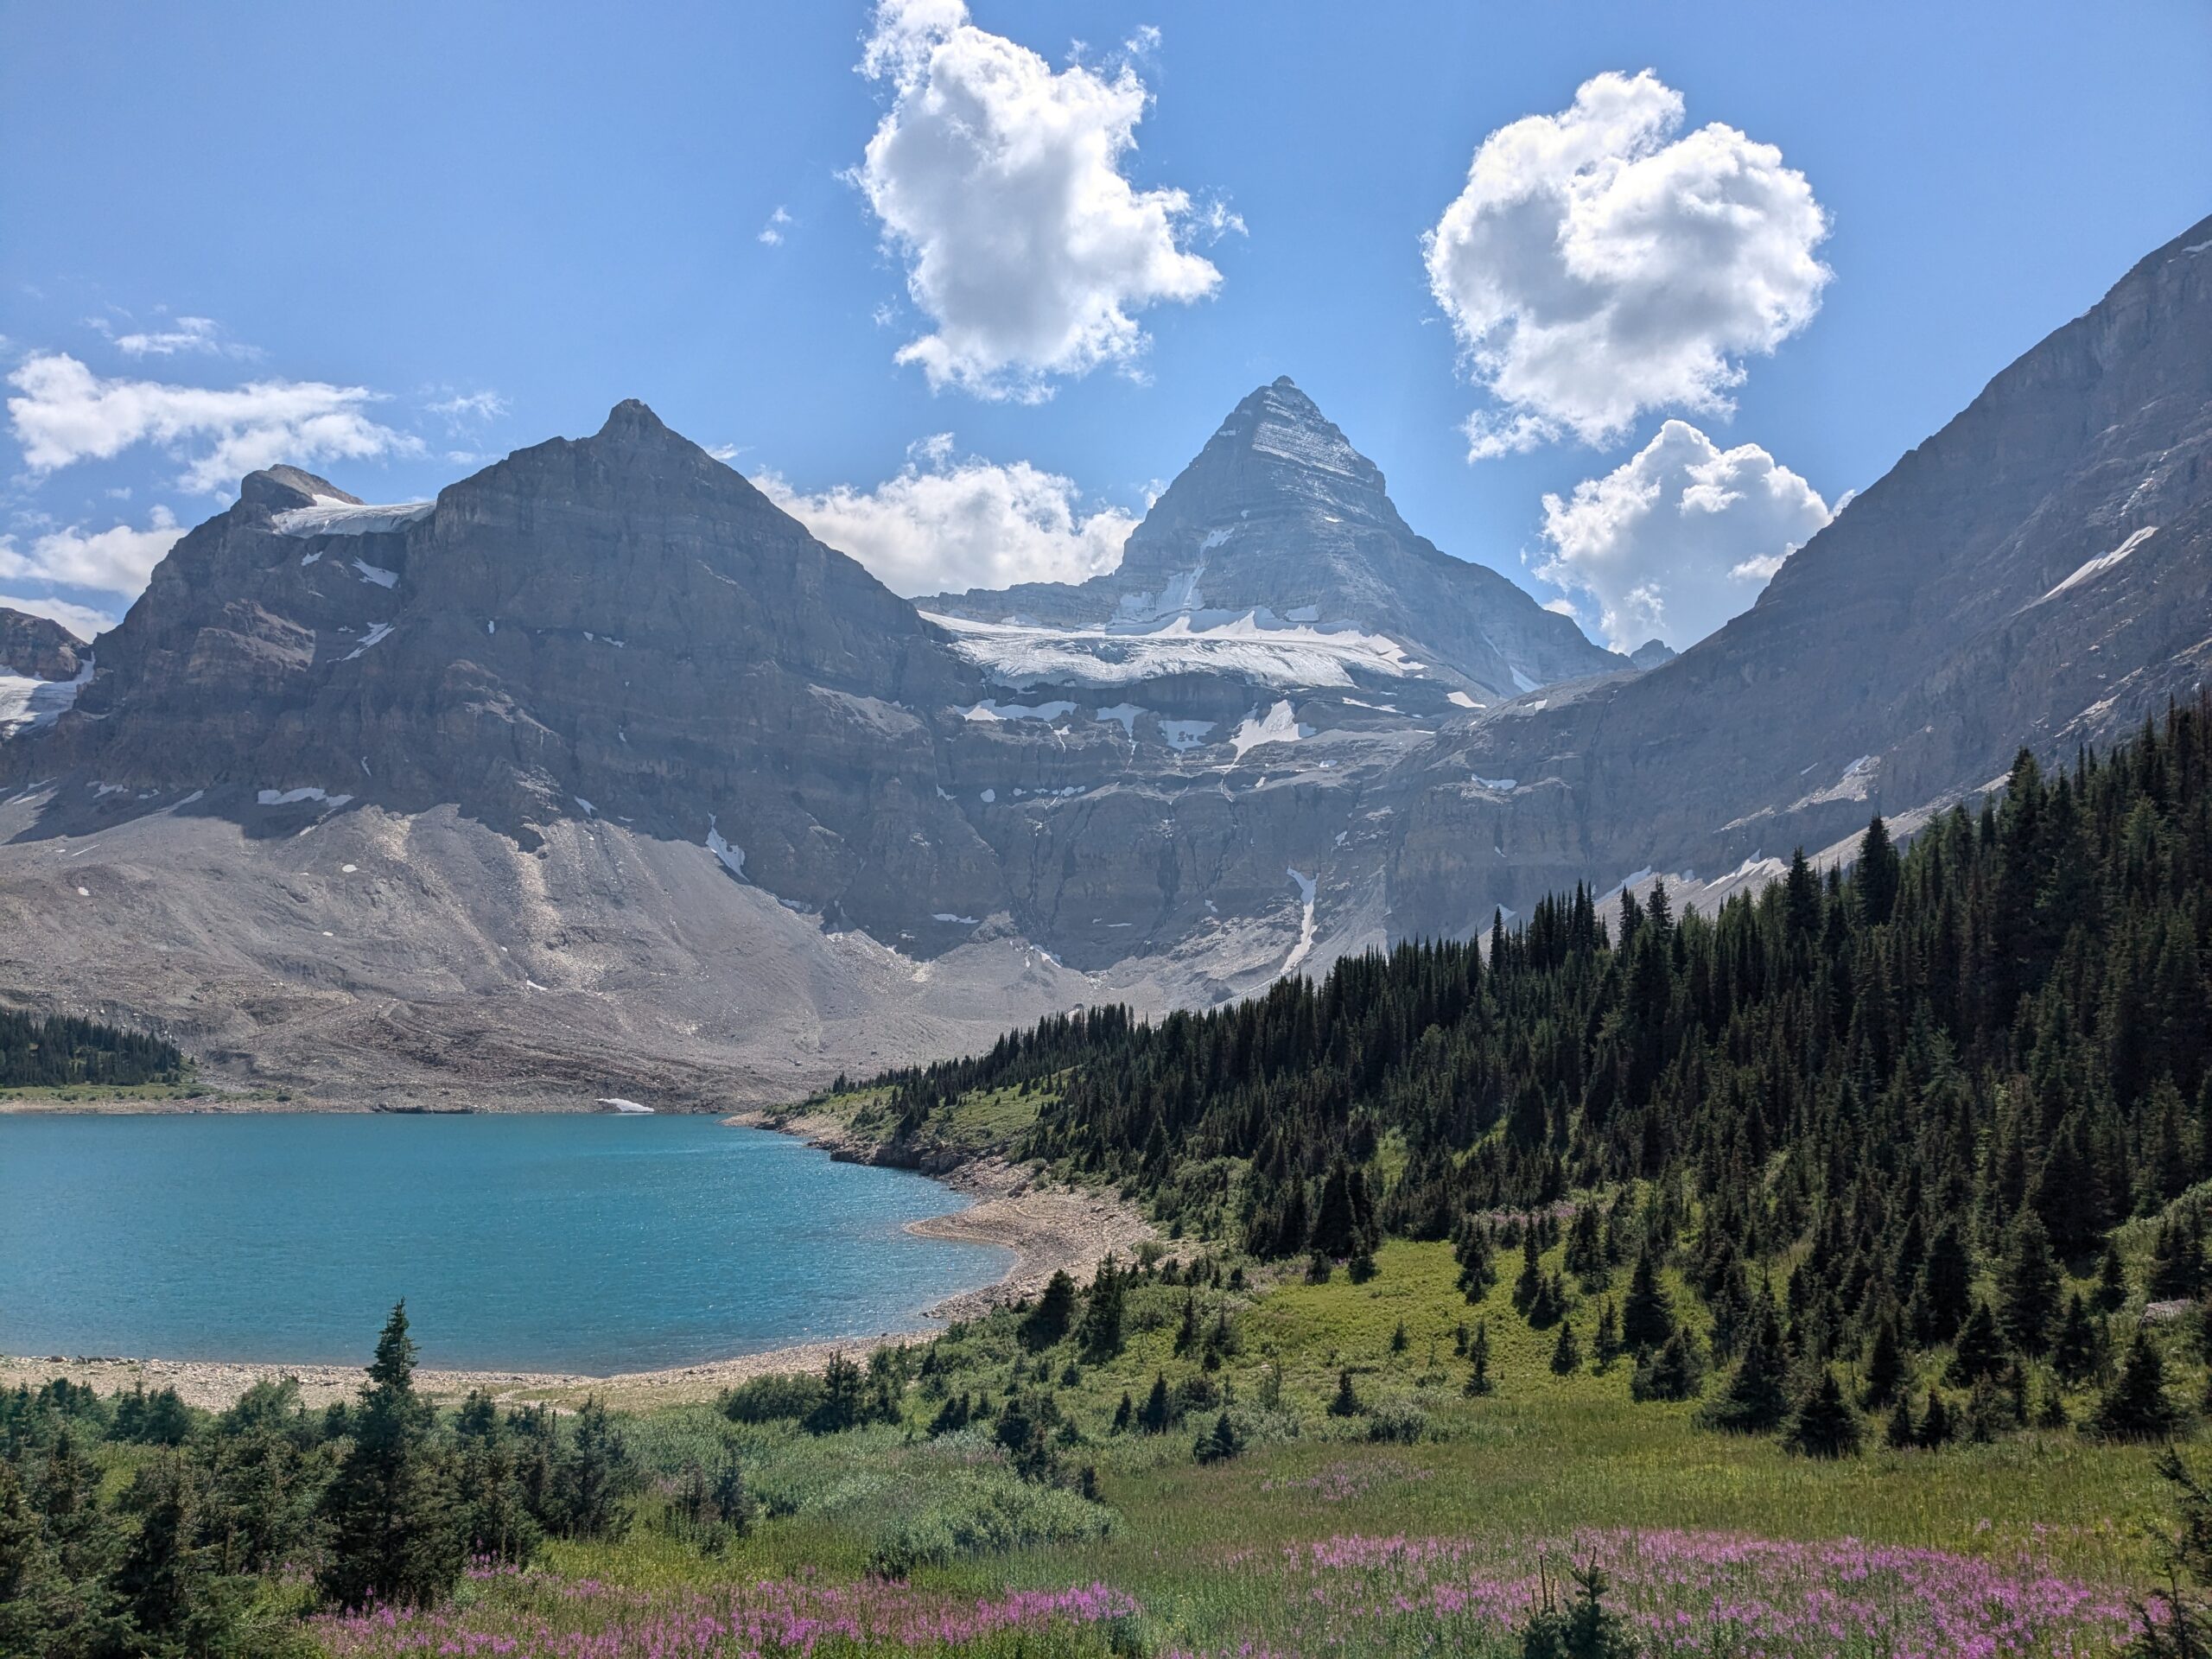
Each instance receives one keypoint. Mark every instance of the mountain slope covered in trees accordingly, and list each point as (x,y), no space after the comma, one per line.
(1993,1044)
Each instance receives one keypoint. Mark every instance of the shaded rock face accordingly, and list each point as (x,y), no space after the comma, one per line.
(2035,574)
(38,649)
(619,625)
(1279,519)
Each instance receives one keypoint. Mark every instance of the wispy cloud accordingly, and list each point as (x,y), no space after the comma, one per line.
(179,336)
(772,232)
(461,411)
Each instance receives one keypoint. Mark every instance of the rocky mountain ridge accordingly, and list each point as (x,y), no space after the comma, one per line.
(601,773)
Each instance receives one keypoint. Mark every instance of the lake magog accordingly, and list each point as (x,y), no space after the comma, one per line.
(555,1243)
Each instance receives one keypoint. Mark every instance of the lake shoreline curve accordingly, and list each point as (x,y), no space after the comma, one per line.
(1049,1227)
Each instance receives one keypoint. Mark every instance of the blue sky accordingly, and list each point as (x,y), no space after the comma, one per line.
(498,221)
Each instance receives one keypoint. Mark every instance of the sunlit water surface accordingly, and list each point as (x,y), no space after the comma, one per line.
(557,1242)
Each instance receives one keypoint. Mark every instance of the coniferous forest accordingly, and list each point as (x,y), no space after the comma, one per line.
(1838,1101)
(62,1051)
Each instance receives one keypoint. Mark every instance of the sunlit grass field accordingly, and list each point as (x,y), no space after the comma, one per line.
(1320,1538)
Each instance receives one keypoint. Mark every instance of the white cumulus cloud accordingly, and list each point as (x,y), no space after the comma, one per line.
(1679,538)
(117,560)
(942,525)
(1597,265)
(999,181)
(65,413)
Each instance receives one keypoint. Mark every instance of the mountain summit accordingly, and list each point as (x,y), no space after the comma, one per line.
(1280,523)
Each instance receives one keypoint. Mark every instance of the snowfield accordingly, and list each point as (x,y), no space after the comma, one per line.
(331,517)
(26,703)
(1290,655)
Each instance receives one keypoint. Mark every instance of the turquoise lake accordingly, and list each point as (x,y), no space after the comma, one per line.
(557,1242)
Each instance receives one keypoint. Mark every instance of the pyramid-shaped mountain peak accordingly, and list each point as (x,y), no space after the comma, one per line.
(634,417)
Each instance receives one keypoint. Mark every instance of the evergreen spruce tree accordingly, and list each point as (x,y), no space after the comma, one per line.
(1885,1363)
(596,1471)
(1980,1351)
(1585,1629)
(2136,1406)
(1220,1443)
(1825,1424)
(1607,1344)
(1157,1414)
(2177,1257)
(1648,1314)
(1478,1378)
(1935,1426)
(1899,1434)
(167,1580)
(1530,1284)
(1470,1249)
(1101,1334)
(1671,1373)
(1756,1399)
(842,1401)
(1567,1352)
(2112,1282)
(1053,1316)
(394,1537)
(2028,1286)
(2077,1353)
(1945,1293)
(494,1516)
(1346,1402)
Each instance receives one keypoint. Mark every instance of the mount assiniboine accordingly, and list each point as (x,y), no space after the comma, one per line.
(600,774)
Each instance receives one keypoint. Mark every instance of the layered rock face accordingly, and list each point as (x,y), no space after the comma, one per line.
(620,626)
(2035,574)
(599,773)
(36,648)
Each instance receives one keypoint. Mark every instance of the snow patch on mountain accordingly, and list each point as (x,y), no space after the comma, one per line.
(27,704)
(988,710)
(1123,714)
(1251,644)
(329,516)
(2094,567)
(294,797)
(376,635)
(733,858)
(1307,888)
(1278,725)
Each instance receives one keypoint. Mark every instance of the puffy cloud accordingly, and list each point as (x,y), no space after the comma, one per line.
(1679,537)
(116,560)
(81,619)
(999,181)
(771,233)
(65,413)
(1596,265)
(942,525)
